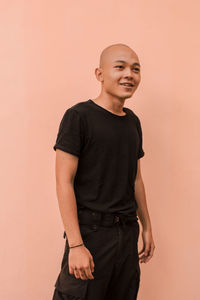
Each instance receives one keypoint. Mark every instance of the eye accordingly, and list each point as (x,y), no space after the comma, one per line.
(137,69)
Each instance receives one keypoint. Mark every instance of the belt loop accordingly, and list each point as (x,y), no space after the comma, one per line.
(97,216)
(123,221)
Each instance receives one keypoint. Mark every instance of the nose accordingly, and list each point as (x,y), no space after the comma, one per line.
(128,77)
(128,74)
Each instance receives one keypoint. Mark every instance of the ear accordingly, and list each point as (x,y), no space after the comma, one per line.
(99,74)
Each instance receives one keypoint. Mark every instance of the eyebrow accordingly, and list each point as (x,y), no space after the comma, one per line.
(122,61)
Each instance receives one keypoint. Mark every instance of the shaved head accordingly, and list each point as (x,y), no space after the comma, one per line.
(119,66)
(112,50)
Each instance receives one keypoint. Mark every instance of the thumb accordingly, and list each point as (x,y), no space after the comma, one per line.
(141,251)
(92,265)
(146,251)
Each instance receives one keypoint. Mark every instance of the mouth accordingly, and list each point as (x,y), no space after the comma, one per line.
(127,85)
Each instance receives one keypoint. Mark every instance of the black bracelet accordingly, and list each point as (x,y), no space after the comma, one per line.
(76,246)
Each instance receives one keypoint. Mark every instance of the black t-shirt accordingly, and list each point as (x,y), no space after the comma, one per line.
(108,147)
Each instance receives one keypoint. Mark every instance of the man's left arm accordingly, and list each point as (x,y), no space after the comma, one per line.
(143,214)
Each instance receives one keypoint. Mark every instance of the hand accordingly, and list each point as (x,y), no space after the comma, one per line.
(81,263)
(148,247)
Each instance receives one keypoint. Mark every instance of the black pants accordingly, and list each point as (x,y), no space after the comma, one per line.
(114,247)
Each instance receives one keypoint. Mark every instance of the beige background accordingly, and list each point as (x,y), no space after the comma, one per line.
(48,53)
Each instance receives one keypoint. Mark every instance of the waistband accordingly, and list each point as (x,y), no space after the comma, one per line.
(92,217)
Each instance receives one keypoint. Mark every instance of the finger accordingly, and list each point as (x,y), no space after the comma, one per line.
(82,274)
(148,257)
(92,265)
(89,273)
(141,254)
(147,250)
(142,258)
(76,273)
(152,250)
(71,271)
(141,251)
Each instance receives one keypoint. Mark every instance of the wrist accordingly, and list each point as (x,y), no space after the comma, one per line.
(146,228)
(75,246)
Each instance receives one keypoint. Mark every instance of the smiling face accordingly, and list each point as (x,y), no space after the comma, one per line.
(119,64)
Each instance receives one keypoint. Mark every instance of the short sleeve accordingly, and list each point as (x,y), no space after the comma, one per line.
(69,137)
(141,152)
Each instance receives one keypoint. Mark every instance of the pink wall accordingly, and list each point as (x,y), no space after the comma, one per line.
(48,54)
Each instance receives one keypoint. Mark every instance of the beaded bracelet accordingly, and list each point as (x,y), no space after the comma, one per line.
(76,246)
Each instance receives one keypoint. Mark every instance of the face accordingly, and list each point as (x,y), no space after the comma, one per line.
(120,66)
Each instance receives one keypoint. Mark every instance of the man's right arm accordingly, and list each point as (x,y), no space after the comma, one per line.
(66,167)
(80,258)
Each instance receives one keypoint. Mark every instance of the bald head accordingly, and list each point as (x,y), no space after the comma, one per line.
(109,52)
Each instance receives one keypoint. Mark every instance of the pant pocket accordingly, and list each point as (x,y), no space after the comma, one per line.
(87,230)
(68,284)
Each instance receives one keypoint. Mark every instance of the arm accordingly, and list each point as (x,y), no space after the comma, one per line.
(140,196)
(81,262)
(66,167)
(146,252)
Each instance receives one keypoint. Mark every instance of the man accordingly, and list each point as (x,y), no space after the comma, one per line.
(100,188)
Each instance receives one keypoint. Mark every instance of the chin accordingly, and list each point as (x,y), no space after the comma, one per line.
(122,95)
(125,96)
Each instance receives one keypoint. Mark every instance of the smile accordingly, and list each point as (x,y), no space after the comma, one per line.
(127,86)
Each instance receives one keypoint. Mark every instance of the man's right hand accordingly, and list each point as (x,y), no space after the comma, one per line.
(81,263)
